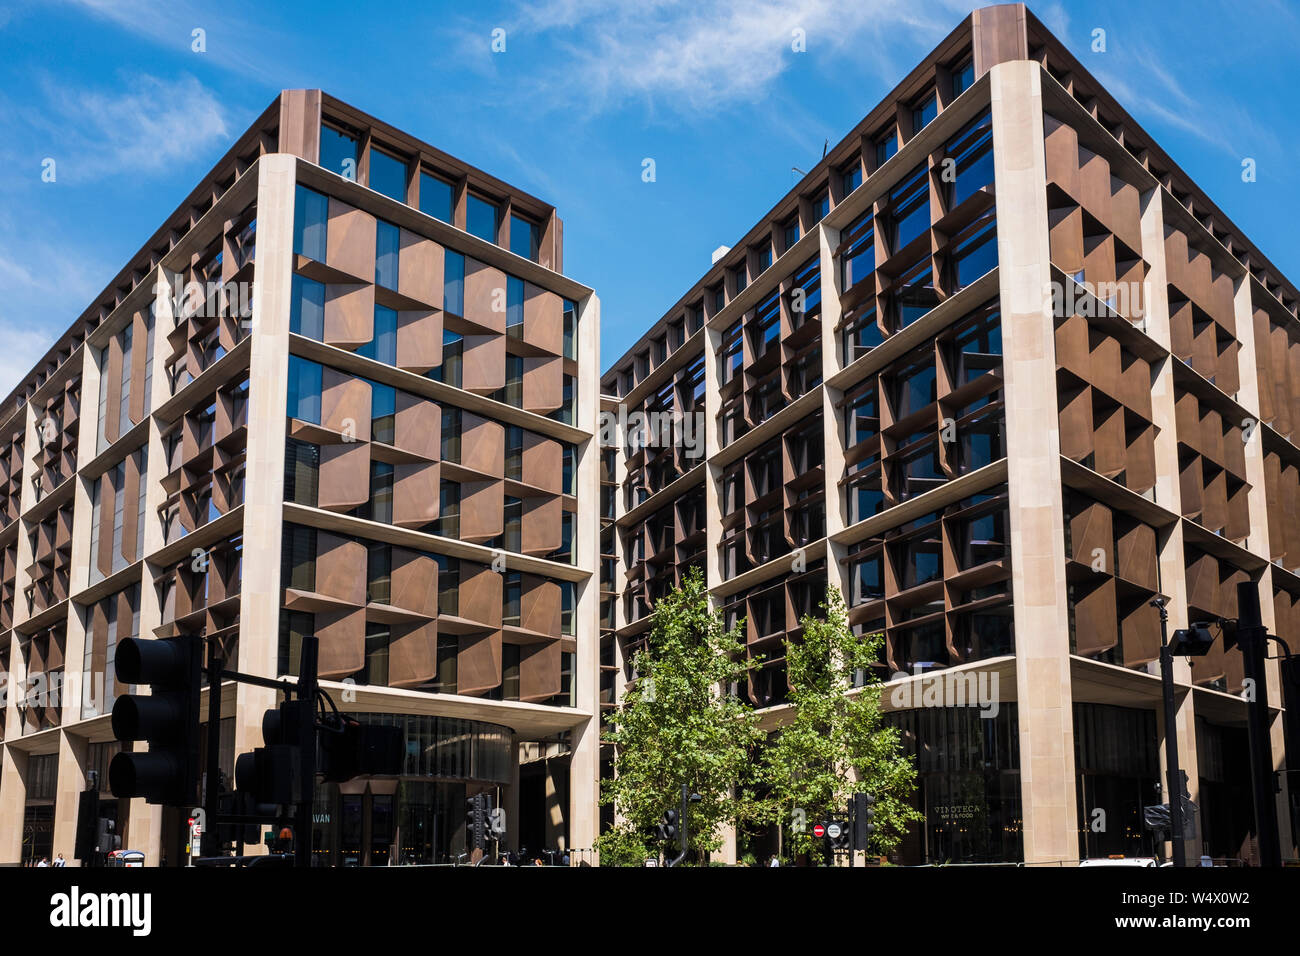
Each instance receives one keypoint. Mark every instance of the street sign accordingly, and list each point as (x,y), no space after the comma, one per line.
(819,830)
(833,831)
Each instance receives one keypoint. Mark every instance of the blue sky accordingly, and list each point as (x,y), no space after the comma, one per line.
(586,89)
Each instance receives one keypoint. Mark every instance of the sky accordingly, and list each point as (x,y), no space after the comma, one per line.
(133,116)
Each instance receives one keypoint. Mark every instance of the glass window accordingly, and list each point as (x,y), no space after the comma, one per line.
(514,452)
(513,393)
(851,177)
(974,254)
(449,509)
(387,243)
(914,389)
(338,151)
(307,308)
(862,419)
(963,77)
(859,244)
(977,348)
(512,590)
(453,282)
(791,231)
(564,553)
(565,413)
(301,473)
(919,559)
(741,278)
(525,238)
(388,174)
(913,295)
(448,654)
(383,411)
(379,574)
(298,557)
(927,110)
(310,221)
(383,347)
(304,390)
(381,492)
(437,197)
(481,218)
(766,325)
(567,601)
(514,307)
(821,205)
(733,352)
(972,153)
(453,359)
(570,329)
(909,209)
(513,524)
(886,146)
(510,671)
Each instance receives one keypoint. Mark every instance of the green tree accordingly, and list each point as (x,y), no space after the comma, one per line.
(837,742)
(680,724)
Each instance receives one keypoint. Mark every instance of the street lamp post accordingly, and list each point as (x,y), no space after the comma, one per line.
(1173,776)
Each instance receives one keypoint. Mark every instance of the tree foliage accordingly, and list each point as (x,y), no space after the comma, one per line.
(680,723)
(837,742)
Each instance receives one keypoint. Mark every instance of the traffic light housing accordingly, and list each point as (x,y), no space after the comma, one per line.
(841,840)
(352,749)
(107,839)
(87,826)
(668,829)
(272,774)
(167,719)
(863,813)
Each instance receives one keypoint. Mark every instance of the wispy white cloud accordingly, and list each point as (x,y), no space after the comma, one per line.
(1204,110)
(699,56)
(233,42)
(145,125)
(45,288)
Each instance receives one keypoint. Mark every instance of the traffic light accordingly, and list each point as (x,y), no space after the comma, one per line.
(839,834)
(272,774)
(476,822)
(87,826)
(352,749)
(107,839)
(668,829)
(166,719)
(282,842)
(863,814)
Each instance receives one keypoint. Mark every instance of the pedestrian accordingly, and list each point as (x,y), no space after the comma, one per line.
(775,861)
(60,861)
(45,861)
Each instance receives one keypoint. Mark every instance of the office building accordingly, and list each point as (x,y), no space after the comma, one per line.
(999,371)
(345,390)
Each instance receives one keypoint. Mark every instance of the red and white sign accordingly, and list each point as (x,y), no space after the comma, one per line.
(819,830)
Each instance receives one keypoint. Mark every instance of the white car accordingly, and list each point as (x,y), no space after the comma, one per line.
(1122,861)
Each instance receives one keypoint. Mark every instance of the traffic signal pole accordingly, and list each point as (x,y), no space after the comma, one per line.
(1173,777)
(307,687)
(1252,638)
(212,774)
